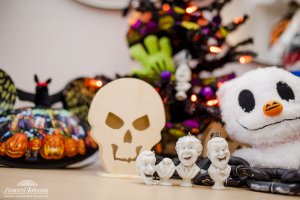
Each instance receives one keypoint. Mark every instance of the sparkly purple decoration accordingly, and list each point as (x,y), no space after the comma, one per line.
(137,24)
(231,76)
(191,123)
(205,31)
(207,91)
(168,125)
(166,75)
(144,31)
(151,26)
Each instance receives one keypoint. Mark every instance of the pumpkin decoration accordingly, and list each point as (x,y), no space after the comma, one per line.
(35,144)
(90,141)
(16,145)
(47,130)
(81,147)
(53,147)
(71,147)
(2,149)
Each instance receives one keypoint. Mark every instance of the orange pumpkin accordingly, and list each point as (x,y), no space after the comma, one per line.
(90,141)
(16,145)
(2,149)
(53,147)
(35,144)
(71,147)
(81,147)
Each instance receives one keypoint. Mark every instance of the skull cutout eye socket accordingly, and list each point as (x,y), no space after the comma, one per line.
(141,123)
(285,91)
(246,100)
(113,121)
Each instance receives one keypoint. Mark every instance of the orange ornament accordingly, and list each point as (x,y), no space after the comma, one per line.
(53,147)
(81,147)
(16,145)
(71,147)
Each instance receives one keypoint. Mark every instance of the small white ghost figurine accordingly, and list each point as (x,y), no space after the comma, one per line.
(188,149)
(218,153)
(183,77)
(165,169)
(145,164)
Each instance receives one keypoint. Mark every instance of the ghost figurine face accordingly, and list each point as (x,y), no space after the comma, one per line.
(218,152)
(145,165)
(126,116)
(188,149)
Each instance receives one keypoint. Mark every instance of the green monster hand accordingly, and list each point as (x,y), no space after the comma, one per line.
(158,58)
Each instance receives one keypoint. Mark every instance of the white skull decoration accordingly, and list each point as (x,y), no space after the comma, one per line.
(126,116)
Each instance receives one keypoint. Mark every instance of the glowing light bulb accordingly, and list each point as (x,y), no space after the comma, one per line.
(166,7)
(219,84)
(194,98)
(215,49)
(245,59)
(212,102)
(191,9)
(238,20)
(94,83)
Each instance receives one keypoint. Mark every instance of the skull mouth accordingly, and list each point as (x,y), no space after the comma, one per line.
(115,149)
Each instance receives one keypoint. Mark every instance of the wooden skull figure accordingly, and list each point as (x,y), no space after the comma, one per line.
(127,116)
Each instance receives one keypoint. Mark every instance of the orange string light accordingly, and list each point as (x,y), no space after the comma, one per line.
(238,20)
(219,84)
(191,9)
(194,98)
(212,102)
(166,7)
(94,83)
(215,49)
(245,59)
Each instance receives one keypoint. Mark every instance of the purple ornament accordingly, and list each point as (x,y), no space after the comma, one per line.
(191,123)
(166,75)
(151,26)
(144,31)
(207,91)
(169,125)
(205,31)
(137,24)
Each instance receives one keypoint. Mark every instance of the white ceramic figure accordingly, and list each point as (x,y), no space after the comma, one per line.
(183,77)
(219,155)
(127,116)
(262,108)
(145,165)
(165,169)
(188,149)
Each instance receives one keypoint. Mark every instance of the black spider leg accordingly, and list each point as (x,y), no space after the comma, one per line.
(283,181)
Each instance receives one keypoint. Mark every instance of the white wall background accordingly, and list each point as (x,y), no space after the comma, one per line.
(64,39)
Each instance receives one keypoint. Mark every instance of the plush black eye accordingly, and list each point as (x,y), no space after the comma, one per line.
(285,91)
(246,100)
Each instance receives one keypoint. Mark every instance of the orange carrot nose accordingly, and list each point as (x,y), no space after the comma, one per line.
(272,108)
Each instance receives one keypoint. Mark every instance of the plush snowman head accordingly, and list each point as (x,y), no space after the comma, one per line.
(262,107)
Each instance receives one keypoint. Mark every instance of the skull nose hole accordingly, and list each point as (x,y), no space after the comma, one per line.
(127,137)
